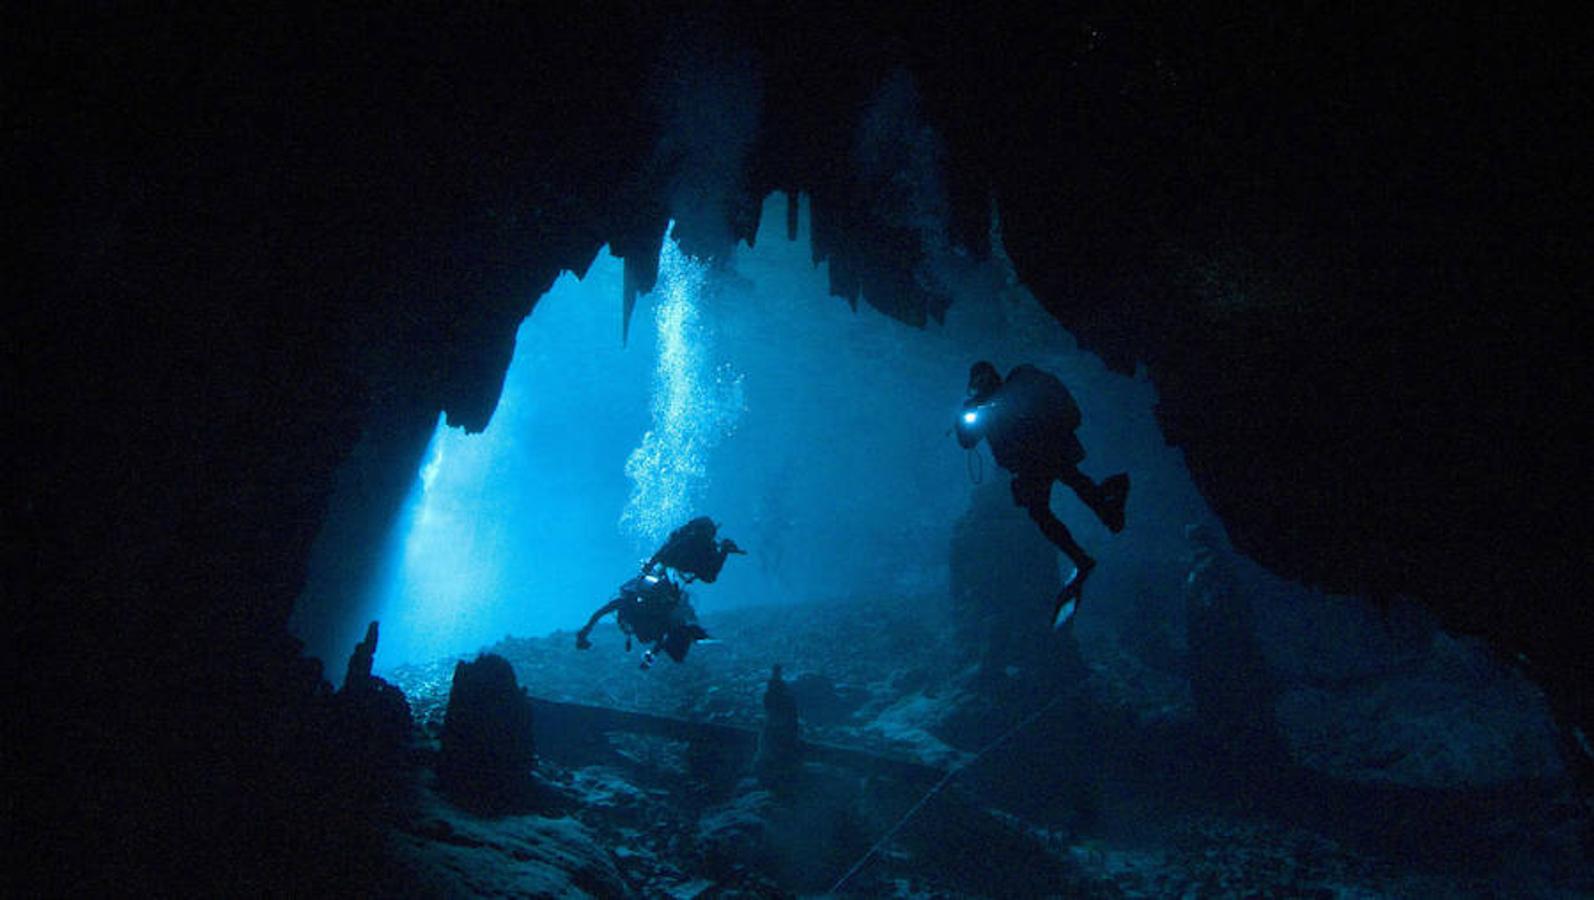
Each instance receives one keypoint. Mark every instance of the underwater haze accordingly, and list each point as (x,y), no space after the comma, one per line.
(815,434)
(1198,728)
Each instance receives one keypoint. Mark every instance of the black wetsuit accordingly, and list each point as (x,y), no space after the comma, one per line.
(1029,422)
(655,610)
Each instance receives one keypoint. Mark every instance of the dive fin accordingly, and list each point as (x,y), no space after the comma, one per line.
(1064,610)
(1067,602)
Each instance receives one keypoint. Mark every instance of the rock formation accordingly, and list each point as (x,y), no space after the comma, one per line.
(489,747)
(370,732)
(1002,612)
(779,741)
(1233,687)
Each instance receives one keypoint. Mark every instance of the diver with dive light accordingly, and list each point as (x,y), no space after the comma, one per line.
(1029,420)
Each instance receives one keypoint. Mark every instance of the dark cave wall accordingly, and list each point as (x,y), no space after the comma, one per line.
(243,243)
(1343,248)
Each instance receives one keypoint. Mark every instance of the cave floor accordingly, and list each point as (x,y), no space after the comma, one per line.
(642,815)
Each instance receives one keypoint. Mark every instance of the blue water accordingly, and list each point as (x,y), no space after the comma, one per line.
(1239,727)
(815,434)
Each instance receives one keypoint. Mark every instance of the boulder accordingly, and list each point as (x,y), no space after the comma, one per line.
(1461,719)
(449,854)
(488,744)
(1001,613)
(822,701)
(1230,679)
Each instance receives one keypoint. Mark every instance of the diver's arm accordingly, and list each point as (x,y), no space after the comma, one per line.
(605,609)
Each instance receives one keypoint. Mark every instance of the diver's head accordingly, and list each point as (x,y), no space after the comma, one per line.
(983,380)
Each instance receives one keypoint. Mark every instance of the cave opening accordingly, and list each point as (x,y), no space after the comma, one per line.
(815,433)
(256,256)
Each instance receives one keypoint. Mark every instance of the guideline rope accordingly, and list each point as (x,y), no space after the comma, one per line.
(936,788)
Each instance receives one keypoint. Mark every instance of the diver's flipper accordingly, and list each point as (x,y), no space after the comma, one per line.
(1064,610)
(1068,598)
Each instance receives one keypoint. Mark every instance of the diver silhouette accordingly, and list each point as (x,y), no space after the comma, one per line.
(1029,421)
(692,551)
(653,607)
(655,610)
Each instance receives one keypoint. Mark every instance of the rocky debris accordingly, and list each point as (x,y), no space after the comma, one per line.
(1352,690)
(724,681)
(451,853)
(909,728)
(1110,811)
(801,840)
(1232,684)
(654,829)
(822,702)
(1120,682)
(1460,720)
(1383,695)
(867,835)
(1217,857)
(1230,680)
(737,833)
(948,840)
(488,743)
(999,612)
(1330,640)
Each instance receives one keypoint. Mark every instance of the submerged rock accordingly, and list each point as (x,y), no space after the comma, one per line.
(822,702)
(1040,811)
(488,746)
(453,854)
(779,742)
(368,735)
(1230,680)
(1001,613)
(1459,720)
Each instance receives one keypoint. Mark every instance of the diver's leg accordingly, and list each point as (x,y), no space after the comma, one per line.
(1106,500)
(676,642)
(1033,493)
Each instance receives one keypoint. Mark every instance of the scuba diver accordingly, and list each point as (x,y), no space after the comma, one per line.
(653,607)
(1029,421)
(692,551)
